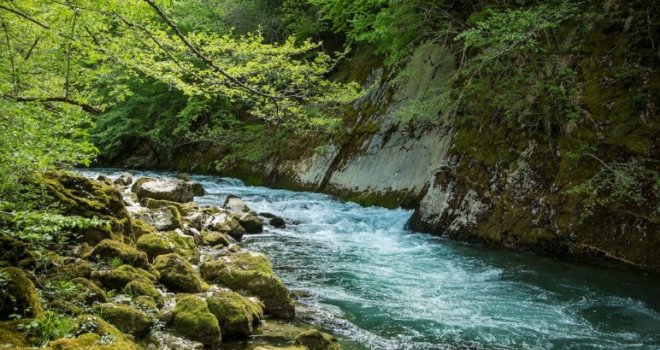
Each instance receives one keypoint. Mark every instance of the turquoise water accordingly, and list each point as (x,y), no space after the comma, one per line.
(377,285)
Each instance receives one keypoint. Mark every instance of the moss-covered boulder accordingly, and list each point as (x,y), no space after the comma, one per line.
(177,274)
(236,314)
(126,318)
(89,198)
(146,303)
(87,291)
(161,243)
(184,208)
(93,333)
(162,219)
(224,223)
(18,294)
(141,228)
(252,274)
(314,339)
(119,277)
(109,251)
(250,222)
(215,238)
(73,268)
(166,189)
(141,288)
(192,319)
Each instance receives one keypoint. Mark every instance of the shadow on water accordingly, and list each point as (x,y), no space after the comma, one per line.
(378,286)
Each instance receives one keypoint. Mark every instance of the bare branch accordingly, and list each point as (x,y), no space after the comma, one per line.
(21,14)
(84,106)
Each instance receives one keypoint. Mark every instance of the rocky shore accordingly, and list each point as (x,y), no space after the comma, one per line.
(158,272)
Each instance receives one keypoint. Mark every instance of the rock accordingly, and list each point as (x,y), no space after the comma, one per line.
(88,198)
(140,228)
(166,189)
(10,337)
(192,319)
(177,274)
(18,295)
(88,291)
(73,268)
(214,238)
(92,330)
(235,204)
(252,273)
(226,224)
(12,250)
(236,314)
(163,219)
(280,348)
(139,182)
(198,189)
(277,222)
(250,222)
(106,180)
(124,179)
(182,176)
(118,278)
(146,303)
(163,340)
(127,319)
(109,251)
(184,208)
(316,340)
(161,243)
(141,288)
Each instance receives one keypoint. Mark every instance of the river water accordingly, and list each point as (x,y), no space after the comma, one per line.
(376,285)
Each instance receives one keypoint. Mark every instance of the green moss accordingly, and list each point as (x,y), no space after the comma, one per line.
(108,251)
(87,291)
(161,243)
(118,278)
(18,294)
(140,228)
(192,319)
(183,208)
(214,238)
(140,288)
(235,313)
(146,303)
(127,319)
(177,274)
(316,340)
(10,337)
(93,333)
(252,272)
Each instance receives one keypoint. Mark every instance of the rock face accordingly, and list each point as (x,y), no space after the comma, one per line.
(253,274)
(169,190)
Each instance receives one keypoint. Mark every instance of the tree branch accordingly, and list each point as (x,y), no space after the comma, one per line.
(84,106)
(21,14)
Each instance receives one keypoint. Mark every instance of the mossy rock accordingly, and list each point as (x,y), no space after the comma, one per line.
(162,219)
(118,278)
(192,319)
(281,348)
(141,288)
(12,250)
(215,238)
(225,223)
(89,198)
(146,303)
(88,291)
(108,251)
(236,314)
(250,222)
(126,318)
(184,208)
(141,228)
(73,269)
(177,274)
(10,337)
(93,333)
(162,243)
(251,273)
(18,294)
(314,339)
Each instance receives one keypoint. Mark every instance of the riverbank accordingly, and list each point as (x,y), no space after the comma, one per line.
(153,270)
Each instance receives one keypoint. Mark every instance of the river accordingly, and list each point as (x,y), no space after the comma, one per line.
(377,285)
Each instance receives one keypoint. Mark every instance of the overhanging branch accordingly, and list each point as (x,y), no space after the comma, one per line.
(84,106)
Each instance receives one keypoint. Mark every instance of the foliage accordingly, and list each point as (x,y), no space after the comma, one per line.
(48,327)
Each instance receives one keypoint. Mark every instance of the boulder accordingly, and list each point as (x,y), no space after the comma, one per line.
(139,182)
(142,288)
(94,334)
(166,189)
(236,314)
(251,273)
(140,228)
(124,179)
(192,319)
(274,220)
(88,292)
(235,204)
(18,295)
(127,319)
(163,219)
(161,243)
(225,223)
(177,274)
(184,208)
(314,339)
(119,277)
(215,238)
(109,251)
(198,189)
(250,222)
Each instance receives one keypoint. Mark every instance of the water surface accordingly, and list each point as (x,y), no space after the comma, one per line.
(362,275)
